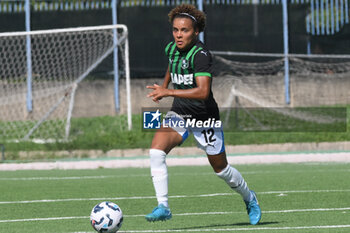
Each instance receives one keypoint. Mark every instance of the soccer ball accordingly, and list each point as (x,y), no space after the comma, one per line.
(106,217)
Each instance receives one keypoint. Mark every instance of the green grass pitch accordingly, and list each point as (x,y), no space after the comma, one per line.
(302,198)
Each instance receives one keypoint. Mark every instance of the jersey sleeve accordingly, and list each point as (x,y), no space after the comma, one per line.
(168,48)
(203,64)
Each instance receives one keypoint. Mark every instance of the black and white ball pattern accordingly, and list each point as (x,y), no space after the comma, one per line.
(106,217)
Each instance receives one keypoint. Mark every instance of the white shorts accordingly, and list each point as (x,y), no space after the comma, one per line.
(211,140)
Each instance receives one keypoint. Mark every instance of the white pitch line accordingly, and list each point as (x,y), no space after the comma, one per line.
(240,229)
(305,191)
(42,219)
(93,177)
(181,214)
(232,229)
(305,210)
(74,199)
(174,196)
(147,175)
(56,178)
(264,212)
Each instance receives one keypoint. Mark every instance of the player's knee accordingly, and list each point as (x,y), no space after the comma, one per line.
(223,173)
(219,167)
(218,162)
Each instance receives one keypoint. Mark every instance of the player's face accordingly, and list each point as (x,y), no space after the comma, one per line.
(184,33)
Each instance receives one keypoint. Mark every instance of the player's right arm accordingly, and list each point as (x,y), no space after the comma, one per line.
(165,85)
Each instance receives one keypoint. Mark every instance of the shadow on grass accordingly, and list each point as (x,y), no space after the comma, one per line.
(225,225)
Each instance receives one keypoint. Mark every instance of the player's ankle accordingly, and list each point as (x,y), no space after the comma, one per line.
(164,203)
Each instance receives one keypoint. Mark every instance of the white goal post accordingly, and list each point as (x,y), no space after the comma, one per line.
(255,84)
(60,59)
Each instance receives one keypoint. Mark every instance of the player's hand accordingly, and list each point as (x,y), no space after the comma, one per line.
(158,92)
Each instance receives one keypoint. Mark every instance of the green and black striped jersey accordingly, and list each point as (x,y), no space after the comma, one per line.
(184,67)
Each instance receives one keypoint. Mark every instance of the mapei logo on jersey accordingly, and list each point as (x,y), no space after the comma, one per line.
(151,119)
(185,64)
(186,79)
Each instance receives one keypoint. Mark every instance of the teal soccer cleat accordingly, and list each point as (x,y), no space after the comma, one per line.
(160,213)
(253,210)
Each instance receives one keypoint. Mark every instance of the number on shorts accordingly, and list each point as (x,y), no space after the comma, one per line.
(208,135)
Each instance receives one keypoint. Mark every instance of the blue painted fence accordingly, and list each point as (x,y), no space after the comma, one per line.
(325,17)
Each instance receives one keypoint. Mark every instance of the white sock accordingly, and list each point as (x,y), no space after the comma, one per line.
(235,180)
(159,174)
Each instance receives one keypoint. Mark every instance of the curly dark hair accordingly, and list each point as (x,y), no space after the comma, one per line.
(178,11)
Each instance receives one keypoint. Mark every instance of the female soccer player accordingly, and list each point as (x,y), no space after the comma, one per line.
(190,71)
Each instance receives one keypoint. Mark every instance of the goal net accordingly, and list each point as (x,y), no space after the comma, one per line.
(38,85)
(256,89)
